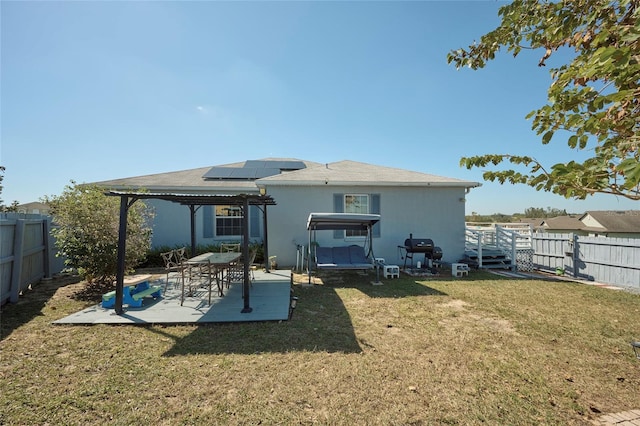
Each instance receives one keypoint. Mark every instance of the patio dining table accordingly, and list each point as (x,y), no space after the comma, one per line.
(213,266)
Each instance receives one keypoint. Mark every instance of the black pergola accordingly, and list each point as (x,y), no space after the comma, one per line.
(194,201)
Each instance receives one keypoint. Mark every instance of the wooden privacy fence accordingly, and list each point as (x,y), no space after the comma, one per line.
(606,260)
(27,253)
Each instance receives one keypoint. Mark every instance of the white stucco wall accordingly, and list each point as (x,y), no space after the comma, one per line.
(436,213)
(171,225)
(589,221)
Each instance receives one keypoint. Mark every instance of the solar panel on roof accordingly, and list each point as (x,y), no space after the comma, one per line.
(219,172)
(275,164)
(240,173)
(260,173)
(290,165)
(254,164)
(253,169)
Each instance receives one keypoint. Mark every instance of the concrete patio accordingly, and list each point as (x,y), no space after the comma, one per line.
(269,298)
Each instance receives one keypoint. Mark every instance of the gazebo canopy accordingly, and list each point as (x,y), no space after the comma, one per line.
(338,222)
(199,199)
(341,221)
(127,198)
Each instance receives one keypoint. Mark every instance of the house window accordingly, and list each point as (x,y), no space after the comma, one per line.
(356,203)
(228,221)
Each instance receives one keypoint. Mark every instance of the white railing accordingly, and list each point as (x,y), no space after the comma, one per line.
(507,238)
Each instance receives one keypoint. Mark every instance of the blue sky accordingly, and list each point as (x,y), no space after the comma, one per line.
(102,90)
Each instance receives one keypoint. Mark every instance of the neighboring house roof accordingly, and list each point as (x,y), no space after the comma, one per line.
(339,173)
(612,221)
(534,222)
(353,173)
(35,206)
(563,222)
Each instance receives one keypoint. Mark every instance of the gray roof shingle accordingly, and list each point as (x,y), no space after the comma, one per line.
(617,221)
(563,222)
(342,172)
(354,173)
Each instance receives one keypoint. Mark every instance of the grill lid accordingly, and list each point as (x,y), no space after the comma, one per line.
(418,245)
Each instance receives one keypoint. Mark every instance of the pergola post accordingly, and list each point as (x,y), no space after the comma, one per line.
(192,212)
(265,241)
(122,249)
(245,254)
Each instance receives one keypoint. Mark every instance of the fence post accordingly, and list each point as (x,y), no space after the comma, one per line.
(480,239)
(16,273)
(574,254)
(47,248)
(514,252)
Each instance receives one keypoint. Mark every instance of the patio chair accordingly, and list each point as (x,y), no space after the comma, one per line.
(229,247)
(236,272)
(173,262)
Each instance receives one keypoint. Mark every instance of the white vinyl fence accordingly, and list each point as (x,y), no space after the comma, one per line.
(27,253)
(606,260)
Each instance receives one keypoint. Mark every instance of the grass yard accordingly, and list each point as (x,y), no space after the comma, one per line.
(477,350)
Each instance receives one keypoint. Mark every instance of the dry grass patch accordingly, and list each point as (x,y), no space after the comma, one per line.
(445,351)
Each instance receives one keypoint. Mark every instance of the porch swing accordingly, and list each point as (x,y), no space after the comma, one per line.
(351,257)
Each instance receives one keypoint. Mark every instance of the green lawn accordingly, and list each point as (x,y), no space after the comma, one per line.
(478,350)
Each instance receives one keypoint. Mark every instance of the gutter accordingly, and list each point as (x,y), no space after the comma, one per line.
(188,189)
(328,182)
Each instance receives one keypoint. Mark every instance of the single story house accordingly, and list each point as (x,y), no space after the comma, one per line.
(605,223)
(33,208)
(612,223)
(562,224)
(408,202)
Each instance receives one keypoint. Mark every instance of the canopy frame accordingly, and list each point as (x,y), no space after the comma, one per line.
(336,222)
(193,201)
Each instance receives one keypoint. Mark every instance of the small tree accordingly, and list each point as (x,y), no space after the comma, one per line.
(595,97)
(14,205)
(86,231)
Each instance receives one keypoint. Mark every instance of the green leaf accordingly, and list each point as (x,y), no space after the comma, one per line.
(593,94)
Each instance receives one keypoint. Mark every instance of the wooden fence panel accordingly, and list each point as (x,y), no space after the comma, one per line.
(33,253)
(27,253)
(7,236)
(609,260)
(549,251)
(606,260)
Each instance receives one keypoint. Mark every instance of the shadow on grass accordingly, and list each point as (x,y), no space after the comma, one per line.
(405,286)
(92,292)
(474,275)
(30,304)
(320,322)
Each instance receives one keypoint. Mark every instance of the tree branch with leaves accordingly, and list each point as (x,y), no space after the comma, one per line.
(595,97)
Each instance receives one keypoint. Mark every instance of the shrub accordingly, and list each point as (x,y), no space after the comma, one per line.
(87,231)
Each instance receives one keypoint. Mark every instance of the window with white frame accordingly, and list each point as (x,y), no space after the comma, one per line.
(228,221)
(356,203)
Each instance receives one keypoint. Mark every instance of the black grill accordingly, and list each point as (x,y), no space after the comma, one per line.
(437,253)
(420,246)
